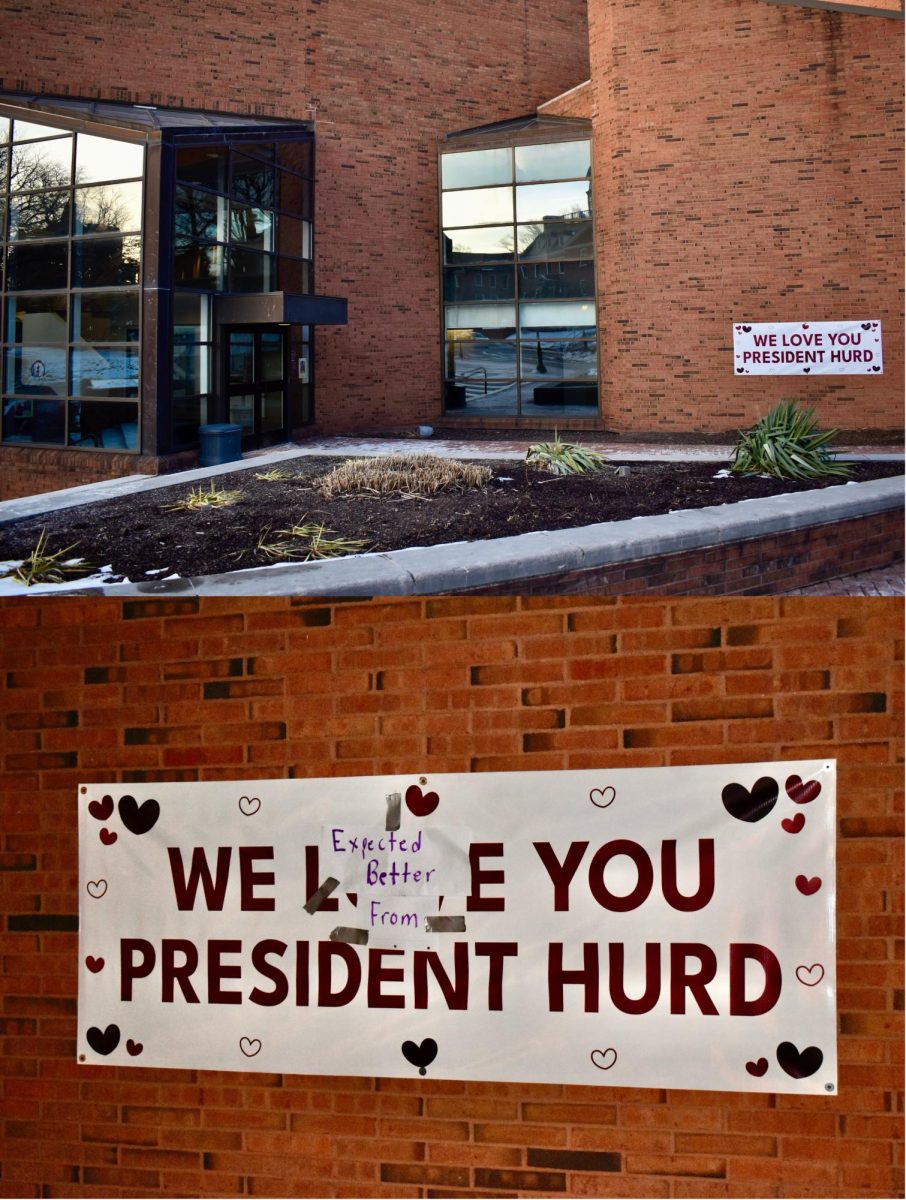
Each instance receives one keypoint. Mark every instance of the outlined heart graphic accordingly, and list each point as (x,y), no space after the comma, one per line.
(138,818)
(802,793)
(794,823)
(758,1068)
(807,886)
(419,803)
(420,1056)
(249,805)
(602,797)
(134,1048)
(96,888)
(101,809)
(94,964)
(103,1041)
(752,805)
(250,1046)
(107,836)
(799,1064)
(604,1059)
(810,976)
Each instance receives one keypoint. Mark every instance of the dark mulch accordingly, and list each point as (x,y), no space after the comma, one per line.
(138,536)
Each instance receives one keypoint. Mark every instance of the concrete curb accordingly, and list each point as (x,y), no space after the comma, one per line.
(429,570)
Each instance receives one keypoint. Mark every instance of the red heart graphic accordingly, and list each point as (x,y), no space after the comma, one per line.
(793,824)
(134,1048)
(802,793)
(94,964)
(107,836)
(757,1068)
(808,887)
(101,809)
(805,974)
(421,804)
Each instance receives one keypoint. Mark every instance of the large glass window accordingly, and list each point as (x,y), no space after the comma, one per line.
(520,334)
(70,334)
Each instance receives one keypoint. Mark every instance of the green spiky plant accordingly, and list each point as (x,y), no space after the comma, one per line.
(199,498)
(46,566)
(786,444)
(563,458)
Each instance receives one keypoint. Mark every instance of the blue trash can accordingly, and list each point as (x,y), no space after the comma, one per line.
(219,444)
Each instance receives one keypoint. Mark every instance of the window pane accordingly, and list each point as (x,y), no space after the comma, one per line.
(42,165)
(4,129)
(479,354)
(190,317)
(204,165)
(566,317)
(494,242)
(476,167)
(479,283)
(109,425)
(39,215)
(23,130)
(251,226)
(188,414)
(199,217)
(484,207)
(199,265)
(105,316)
(538,281)
(4,166)
(293,276)
(241,358)
(555,239)
(557,160)
(37,319)
(252,181)
(559,359)
(37,268)
(293,237)
(480,397)
(100,371)
(190,370)
(271,355)
(272,410)
(242,411)
(106,262)
(99,158)
(481,316)
(116,208)
(34,419)
(537,201)
(296,156)
(294,195)
(35,370)
(249,271)
(560,396)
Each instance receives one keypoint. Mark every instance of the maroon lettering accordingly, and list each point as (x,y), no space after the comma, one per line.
(214,887)
(327,953)
(561,874)
(456,994)
(129,968)
(495,952)
(313,880)
(218,971)
(249,879)
(378,974)
(588,976)
(260,953)
(642,889)
(173,972)
(652,992)
(740,953)
(696,982)
(705,891)
(475,902)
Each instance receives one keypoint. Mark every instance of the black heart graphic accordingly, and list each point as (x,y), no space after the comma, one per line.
(876,368)
(138,818)
(103,1041)
(750,806)
(800,1066)
(866,324)
(747,328)
(420,1056)
(807,370)
(101,809)
(739,370)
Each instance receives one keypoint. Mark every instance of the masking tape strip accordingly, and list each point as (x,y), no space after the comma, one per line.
(317,899)
(445,924)
(355,937)
(394,811)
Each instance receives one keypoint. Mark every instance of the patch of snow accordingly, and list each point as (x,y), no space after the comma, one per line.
(157,571)
(12,587)
(724,474)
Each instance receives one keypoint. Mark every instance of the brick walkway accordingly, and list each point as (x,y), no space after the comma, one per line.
(886,581)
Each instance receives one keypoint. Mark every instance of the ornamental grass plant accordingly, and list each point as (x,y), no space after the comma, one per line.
(786,445)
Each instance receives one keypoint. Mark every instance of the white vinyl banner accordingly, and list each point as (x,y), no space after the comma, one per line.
(657,927)
(808,348)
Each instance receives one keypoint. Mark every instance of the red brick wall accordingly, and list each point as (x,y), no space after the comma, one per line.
(383,82)
(748,162)
(281,688)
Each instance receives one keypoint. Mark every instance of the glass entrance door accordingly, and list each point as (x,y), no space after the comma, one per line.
(255,374)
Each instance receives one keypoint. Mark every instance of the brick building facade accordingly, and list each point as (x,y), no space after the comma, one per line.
(150,690)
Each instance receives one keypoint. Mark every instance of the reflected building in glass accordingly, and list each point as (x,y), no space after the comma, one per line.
(519,334)
(155,276)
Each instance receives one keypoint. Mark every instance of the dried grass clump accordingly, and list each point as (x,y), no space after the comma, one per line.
(402,475)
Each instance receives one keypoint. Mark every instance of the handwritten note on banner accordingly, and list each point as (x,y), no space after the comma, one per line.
(662,927)
(808,348)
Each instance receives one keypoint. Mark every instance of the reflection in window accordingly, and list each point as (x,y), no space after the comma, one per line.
(35,319)
(106,262)
(249,271)
(477,168)
(115,208)
(296,156)
(34,418)
(198,216)
(25,130)
(4,129)
(293,237)
(481,316)
(204,165)
(271,355)
(293,276)
(190,317)
(295,195)
(252,181)
(105,316)
(540,201)
(41,165)
(39,215)
(100,371)
(251,226)
(190,369)
(549,280)
(38,268)
(568,359)
(555,239)
(480,354)
(565,317)
(100,158)
(108,425)
(485,206)
(35,370)
(492,242)
(202,266)
(479,283)
(556,160)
